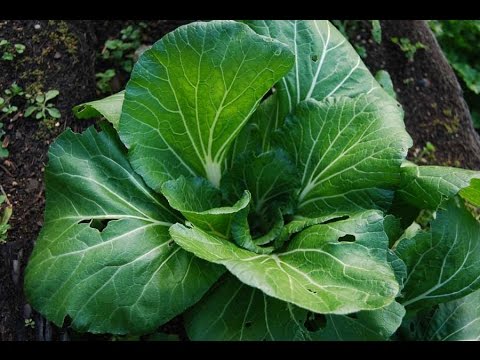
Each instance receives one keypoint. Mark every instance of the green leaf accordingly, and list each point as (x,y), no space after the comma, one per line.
(40,98)
(51,94)
(201,204)
(235,311)
(317,271)
(348,152)
(376,31)
(256,135)
(443,262)
(191,94)
(453,321)
(30,111)
(110,108)
(126,278)
(54,112)
(373,325)
(472,192)
(426,187)
(270,177)
(19,48)
(385,81)
(325,62)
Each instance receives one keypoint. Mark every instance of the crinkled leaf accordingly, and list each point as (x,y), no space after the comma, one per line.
(427,186)
(316,272)
(443,263)
(190,95)
(201,203)
(452,321)
(235,311)
(325,63)
(129,277)
(348,152)
(110,108)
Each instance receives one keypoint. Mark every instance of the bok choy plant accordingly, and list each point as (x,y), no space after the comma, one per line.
(252,177)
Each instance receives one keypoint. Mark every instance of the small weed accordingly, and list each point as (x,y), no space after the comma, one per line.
(42,108)
(104,81)
(408,47)
(30,323)
(3,143)
(5,215)
(6,105)
(9,50)
(425,155)
(122,51)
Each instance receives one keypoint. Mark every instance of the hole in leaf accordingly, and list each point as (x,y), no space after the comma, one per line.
(248,324)
(98,224)
(353,316)
(315,322)
(268,94)
(347,238)
(341,218)
(314,58)
(312,291)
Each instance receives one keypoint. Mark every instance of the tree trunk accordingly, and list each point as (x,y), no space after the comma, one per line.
(427,88)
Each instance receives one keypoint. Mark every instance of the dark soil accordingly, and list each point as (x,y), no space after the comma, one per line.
(62,55)
(427,88)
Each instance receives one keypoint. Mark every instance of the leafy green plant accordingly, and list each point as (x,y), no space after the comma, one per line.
(409,48)
(3,150)
(459,39)
(103,81)
(9,50)
(5,214)
(122,51)
(289,216)
(6,104)
(41,107)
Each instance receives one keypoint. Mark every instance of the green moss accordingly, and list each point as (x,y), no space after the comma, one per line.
(61,36)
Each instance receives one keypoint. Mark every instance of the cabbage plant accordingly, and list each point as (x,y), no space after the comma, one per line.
(252,178)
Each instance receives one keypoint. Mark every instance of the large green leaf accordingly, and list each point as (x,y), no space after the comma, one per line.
(201,203)
(443,263)
(235,311)
(190,95)
(110,108)
(128,277)
(325,63)
(256,135)
(427,186)
(372,325)
(316,271)
(348,152)
(454,320)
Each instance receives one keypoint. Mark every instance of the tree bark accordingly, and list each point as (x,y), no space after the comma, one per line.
(429,92)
